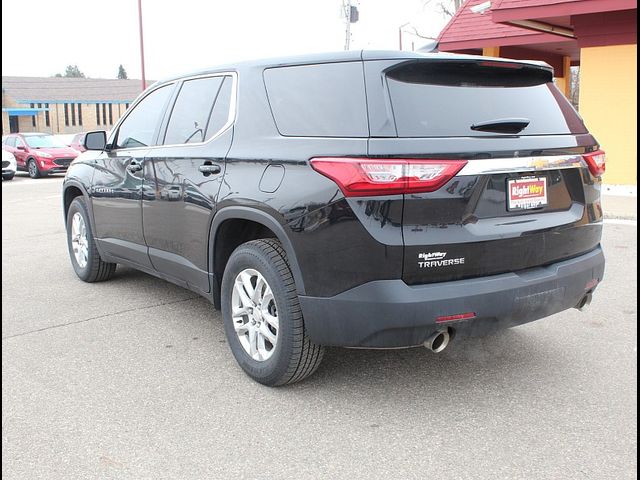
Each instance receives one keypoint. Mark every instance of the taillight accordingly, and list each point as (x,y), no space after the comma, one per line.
(596,161)
(363,177)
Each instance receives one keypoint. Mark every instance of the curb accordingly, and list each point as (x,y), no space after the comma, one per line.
(619,217)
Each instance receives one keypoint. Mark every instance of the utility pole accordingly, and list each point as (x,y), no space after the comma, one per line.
(351,15)
(144,80)
(347,14)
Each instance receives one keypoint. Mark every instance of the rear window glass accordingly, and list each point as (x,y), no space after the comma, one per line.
(434,99)
(326,100)
(200,111)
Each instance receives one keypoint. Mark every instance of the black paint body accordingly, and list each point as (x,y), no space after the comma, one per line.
(166,218)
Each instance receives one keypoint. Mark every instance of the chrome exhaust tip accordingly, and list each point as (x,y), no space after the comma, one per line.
(438,341)
(584,302)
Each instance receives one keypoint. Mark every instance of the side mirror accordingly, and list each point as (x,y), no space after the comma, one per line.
(95,140)
(21,147)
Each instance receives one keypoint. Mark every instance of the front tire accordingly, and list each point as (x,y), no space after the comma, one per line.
(85,258)
(32,168)
(262,316)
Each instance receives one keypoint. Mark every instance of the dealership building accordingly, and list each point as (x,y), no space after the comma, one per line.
(64,105)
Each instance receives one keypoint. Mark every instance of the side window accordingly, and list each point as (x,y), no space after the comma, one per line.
(11,141)
(199,107)
(325,100)
(137,130)
(220,112)
(19,142)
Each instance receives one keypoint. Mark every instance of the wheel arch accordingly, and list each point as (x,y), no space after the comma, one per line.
(72,190)
(266,220)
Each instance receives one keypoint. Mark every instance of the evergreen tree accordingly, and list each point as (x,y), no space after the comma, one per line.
(73,71)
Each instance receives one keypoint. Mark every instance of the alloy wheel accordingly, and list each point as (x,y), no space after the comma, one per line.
(33,169)
(254,314)
(79,241)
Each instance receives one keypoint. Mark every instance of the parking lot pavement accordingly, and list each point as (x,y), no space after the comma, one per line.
(132,378)
(620,206)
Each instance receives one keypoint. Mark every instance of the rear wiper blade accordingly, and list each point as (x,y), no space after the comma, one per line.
(502,125)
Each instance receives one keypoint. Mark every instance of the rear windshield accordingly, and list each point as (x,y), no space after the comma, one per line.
(318,100)
(435,99)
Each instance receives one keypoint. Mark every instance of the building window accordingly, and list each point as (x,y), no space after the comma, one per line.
(104,113)
(73,114)
(97,113)
(66,114)
(47,121)
(80,114)
(126,106)
(33,118)
(110,114)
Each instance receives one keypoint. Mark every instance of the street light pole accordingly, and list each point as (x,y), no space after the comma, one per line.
(400,33)
(144,80)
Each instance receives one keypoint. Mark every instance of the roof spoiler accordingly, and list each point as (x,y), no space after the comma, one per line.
(429,47)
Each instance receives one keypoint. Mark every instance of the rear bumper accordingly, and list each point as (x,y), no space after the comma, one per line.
(390,313)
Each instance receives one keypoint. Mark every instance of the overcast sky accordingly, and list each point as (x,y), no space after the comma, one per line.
(42,37)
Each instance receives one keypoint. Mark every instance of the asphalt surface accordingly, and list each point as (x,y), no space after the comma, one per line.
(132,378)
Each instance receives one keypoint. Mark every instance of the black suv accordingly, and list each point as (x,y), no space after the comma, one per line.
(360,199)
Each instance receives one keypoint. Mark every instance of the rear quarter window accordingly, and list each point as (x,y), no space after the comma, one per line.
(326,100)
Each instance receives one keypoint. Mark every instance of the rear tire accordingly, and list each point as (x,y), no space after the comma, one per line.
(85,258)
(293,357)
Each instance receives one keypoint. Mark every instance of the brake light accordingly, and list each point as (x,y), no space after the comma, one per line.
(363,177)
(596,161)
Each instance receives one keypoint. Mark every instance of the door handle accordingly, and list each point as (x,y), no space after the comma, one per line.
(208,169)
(134,167)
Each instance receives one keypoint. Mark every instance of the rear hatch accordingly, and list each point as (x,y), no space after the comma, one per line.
(520,193)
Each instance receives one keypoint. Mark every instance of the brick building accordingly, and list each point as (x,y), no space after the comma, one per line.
(64,105)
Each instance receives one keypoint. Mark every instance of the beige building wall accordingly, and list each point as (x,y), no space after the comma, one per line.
(57,124)
(608,104)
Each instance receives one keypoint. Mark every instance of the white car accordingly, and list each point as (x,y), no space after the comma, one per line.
(65,138)
(8,165)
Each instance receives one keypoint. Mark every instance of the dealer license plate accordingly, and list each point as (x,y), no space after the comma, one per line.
(526,193)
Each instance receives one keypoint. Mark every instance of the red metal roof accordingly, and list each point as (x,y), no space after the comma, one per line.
(468,30)
(505,10)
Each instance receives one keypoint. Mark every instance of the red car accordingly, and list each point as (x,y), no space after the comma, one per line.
(77,143)
(39,153)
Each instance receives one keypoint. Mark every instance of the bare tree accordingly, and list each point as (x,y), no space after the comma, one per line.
(574,86)
(446,7)
(418,34)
